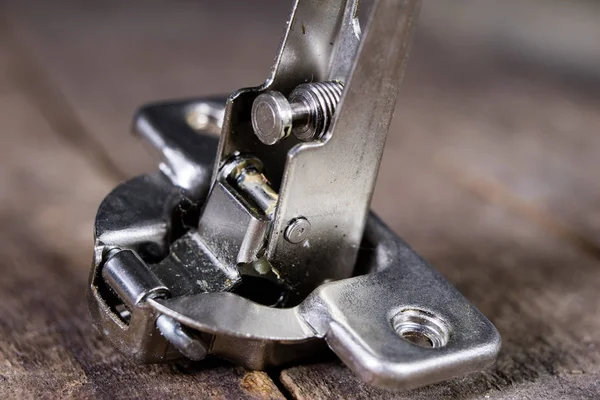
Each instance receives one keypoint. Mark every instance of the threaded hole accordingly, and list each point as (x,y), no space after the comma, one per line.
(421,328)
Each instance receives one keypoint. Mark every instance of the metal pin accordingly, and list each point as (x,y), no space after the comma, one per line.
(246,175)
(297,231)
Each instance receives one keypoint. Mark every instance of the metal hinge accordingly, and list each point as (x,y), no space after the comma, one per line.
(260,247)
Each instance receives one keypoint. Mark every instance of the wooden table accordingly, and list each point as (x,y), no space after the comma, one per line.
(491,171)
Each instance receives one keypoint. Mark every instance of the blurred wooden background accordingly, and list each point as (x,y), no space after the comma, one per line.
(491,172)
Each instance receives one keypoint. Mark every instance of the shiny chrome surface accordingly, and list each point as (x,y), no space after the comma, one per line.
(229,255)
(370,321)
(355,317)
(308,114)
(328,181)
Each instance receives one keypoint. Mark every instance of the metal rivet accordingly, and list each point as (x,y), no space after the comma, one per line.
(297,231)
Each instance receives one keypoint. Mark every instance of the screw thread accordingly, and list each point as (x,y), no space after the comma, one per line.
(320,100)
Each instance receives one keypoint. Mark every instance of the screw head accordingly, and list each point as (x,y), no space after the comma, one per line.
(297,231)
(271,117)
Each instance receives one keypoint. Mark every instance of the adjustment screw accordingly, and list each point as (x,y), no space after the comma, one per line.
(297,231)
(272,117)
(307,114)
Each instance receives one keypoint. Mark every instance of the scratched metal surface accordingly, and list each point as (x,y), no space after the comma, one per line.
(489,172)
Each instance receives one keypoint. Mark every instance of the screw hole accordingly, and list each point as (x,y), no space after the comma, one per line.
(421,328)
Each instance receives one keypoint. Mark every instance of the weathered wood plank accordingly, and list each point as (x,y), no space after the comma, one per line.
(529,129)
(49,191)
(112,57)
(515,137)
(330,381)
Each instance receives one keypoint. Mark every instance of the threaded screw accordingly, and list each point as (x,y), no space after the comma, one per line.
(307,114)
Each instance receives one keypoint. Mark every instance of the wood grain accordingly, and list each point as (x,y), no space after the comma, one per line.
(528,129)
(126,54)
(489,172)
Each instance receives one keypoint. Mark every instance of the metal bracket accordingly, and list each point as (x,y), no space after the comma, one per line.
(330,179)
(398,324)
(266,251)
